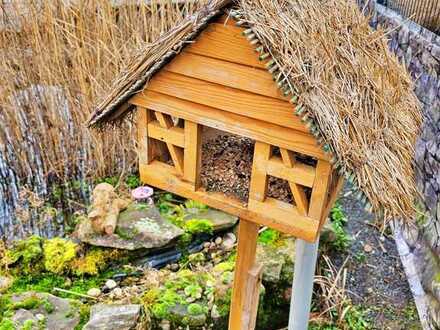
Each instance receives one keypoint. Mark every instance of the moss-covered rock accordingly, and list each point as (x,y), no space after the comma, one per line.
(58,253)
(27,252)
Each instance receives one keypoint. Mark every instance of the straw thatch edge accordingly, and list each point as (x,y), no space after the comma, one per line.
(111,103)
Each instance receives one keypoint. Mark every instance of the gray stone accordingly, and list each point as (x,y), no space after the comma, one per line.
(277,261)
(94,292)
(139,226)
(113,317)
(5,283)
(23,315)
(220,220)
(111,284)
(63,314)
(229,241)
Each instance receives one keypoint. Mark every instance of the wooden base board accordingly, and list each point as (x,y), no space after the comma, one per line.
(289,221)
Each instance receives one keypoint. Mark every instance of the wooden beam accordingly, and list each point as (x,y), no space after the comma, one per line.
(301,173)
(176,153)
(298,193)
(286,219)
(255,129)
(332,198)
(173,135)
(292,219)
(258,185)
(228,99)
(246,250)
(225,73)
(319,196)
(252,298)
(193,153)
(225,42)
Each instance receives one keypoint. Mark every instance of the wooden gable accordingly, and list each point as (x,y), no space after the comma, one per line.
(219,82)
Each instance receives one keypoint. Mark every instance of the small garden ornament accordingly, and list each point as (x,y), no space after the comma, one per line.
(143,194)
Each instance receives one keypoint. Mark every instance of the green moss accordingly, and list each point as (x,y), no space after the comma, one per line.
(224,266)
(192,204)
(84,315)
(48,306)
(437,278)
(126,233)
(27,252)
(28,303)
(28,325)
(269,237)
(150,297)
(7,324)
(199,226)
(168,299)
(195,309)
(94,261)
(194,291)
(338,220)
(58,253)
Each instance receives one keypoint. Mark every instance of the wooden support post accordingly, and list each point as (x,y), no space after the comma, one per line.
(302,287)
(252,298)
(193,153)
(247,246)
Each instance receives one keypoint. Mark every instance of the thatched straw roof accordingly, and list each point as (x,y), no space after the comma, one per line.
(353,94)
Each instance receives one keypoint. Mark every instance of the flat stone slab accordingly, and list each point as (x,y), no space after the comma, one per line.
(220,220)
(59,313)
(139,226)
(113,317)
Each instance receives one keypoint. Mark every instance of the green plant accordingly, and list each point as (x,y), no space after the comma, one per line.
(28,325)
(133,181)
(27,252)
(195,309)
(198,226)
(268,236)
(7,324)
(338,219)
(192,204)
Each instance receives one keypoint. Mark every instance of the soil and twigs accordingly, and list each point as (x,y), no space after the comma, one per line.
(227,166)
(376,279)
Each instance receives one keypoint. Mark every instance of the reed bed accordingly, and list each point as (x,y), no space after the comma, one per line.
(57,58)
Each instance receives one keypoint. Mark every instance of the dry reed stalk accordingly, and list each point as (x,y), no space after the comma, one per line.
(56,60)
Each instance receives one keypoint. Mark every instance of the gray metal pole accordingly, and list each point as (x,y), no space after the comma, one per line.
(302,287)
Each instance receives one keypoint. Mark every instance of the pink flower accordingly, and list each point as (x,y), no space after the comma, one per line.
(142,193)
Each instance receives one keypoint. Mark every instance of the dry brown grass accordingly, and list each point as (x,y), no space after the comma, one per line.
(56,60)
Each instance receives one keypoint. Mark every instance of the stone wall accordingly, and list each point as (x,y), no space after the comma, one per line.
(419,50)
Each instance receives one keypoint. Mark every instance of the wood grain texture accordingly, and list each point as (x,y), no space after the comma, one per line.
(298,193)
(227,99)
(176,153)
(192,153)
(252,297)
(259,180)
(286,219)
(225,42)
(246,251)
(298,141)
(225,73)
(319,196)
(173,135)
(300,173)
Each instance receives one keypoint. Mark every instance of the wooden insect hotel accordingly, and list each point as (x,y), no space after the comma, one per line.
(221,69)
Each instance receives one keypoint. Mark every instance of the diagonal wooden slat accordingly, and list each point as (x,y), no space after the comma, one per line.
(298,193)
(176,153)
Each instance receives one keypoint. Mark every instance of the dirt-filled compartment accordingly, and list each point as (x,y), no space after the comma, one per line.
(227,166)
